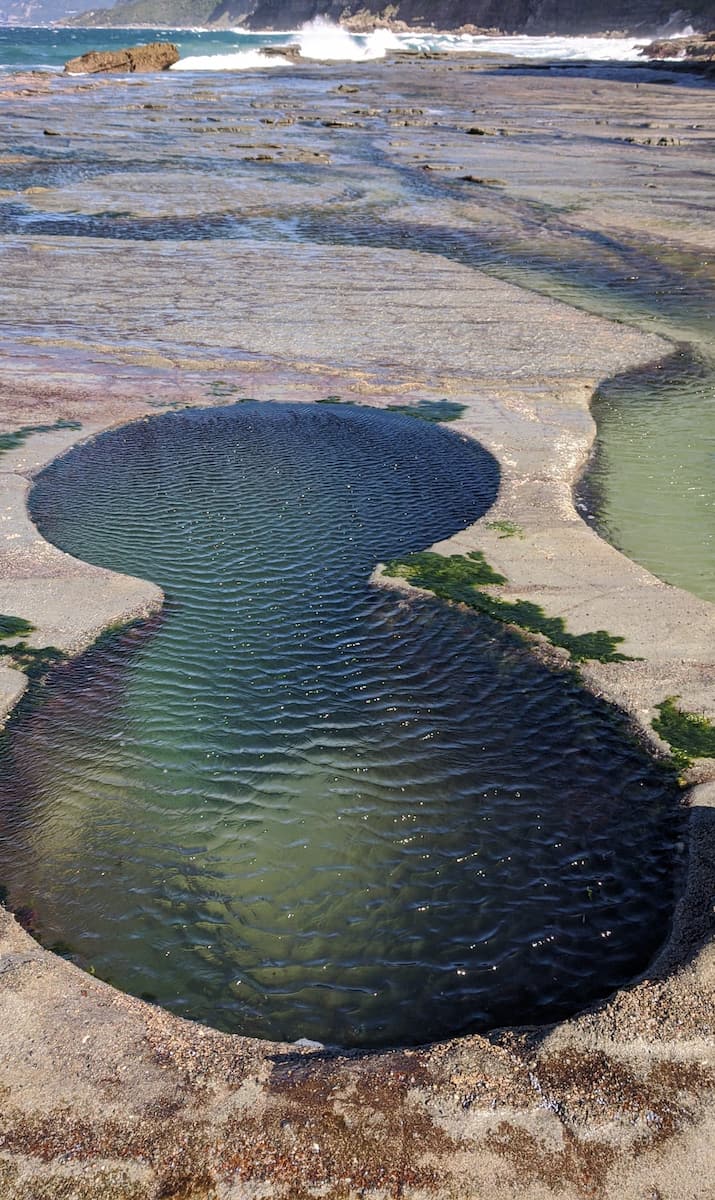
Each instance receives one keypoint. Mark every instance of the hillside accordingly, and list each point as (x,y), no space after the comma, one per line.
(511,16)
(169,14)
(39,12)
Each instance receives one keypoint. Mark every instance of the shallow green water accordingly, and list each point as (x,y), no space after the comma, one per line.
(650,486)
(297,805)
(651,481)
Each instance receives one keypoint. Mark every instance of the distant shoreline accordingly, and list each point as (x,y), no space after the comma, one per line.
(350,25)
(389,26)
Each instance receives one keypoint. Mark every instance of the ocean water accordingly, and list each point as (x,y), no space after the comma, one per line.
(319,40)
(297,805)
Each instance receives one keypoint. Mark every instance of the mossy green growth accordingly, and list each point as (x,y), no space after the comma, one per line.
(460,577)
(14,627)
(18,437)
(452,578)
(333,400)
(221,389)
(431,410)
(33,660)
(689,735)
(506,529)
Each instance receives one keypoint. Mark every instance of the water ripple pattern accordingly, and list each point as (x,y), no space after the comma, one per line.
(299,805)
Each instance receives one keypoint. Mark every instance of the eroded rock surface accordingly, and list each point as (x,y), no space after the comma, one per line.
(155,56)
(698,51)
(105,1097)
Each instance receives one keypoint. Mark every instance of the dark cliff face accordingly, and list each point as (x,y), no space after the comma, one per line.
(510,16)
(637,17)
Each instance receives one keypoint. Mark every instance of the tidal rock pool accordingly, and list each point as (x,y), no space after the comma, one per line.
(297,805)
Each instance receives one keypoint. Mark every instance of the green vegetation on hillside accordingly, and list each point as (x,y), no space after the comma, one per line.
(511,16)
(170,14)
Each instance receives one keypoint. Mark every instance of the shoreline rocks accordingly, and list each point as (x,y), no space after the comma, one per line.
(698,50)
(154,56)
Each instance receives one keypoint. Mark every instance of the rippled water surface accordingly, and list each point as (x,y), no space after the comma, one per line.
(298,805)
(651,481)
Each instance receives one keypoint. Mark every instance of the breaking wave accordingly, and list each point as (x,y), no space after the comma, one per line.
(327,42)
(241,60)
(558,49)
(321,40)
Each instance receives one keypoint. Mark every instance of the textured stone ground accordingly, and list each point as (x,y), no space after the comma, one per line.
(106,1097)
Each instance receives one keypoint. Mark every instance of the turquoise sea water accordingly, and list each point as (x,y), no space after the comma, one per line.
(44,48)
(297,805)
(320,41)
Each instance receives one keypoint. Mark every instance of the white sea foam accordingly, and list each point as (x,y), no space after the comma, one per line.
(558,49)
(241,60)
(324,40)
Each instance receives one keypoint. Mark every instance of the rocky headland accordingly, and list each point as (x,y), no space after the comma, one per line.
(560,17)
(697,51)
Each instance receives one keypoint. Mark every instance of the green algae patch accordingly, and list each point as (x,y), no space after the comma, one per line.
(430,410)
(221,389)
(33,660)
(688,735)
(18,437)
(451,578)
(506,529)
(460,577)
(435,411)
(14,627)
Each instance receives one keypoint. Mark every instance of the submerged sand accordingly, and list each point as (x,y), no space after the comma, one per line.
(106,1096)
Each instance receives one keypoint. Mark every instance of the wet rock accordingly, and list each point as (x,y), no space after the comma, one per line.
(155,56)
(363,21)
(304,156)
(292,52)
(698,50)
(484,182)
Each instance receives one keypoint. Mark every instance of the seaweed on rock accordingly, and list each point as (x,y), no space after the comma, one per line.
(460,578)
(689,735)
(430,410)
(33,660)
(18,437)
(14,627)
